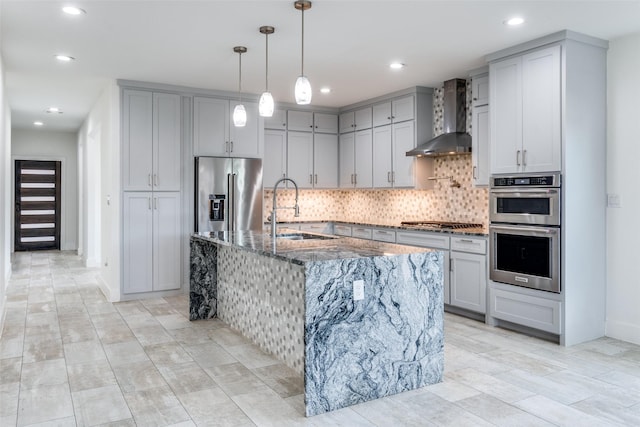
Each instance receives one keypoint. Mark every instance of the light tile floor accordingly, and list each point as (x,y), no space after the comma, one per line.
(68,357)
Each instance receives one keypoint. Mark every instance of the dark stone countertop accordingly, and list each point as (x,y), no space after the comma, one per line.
(302,251)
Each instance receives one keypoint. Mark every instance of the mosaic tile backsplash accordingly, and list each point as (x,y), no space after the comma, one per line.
(392,206)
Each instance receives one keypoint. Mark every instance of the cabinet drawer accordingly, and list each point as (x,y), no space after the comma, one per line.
(361,232)
(315,228)
(384,236)
(342,230)
(527,310)
(425,240)
(465,244)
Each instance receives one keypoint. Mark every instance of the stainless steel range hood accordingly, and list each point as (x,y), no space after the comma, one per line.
(455,139)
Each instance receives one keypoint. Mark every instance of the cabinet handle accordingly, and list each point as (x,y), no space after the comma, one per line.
(388,176)
(388,117)
(466,240)
(352,178)
(149,179)
(226,146)
(393,176)
(475,99)
(155,179)
(524,158)
(284,175)
(451,264)
(355,178)
(310,178)
(474,172)
(155,203)
(518,158)
(315,179)
(149,199)
(231,144)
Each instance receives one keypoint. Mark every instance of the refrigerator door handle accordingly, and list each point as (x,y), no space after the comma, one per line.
(230,202)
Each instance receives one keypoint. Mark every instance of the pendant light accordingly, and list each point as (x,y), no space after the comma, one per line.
(303,86)
(239,113)
(266,105)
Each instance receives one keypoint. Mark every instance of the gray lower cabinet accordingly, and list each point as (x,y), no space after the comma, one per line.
(319,227)
(535,309)
(468,274)
(342,230)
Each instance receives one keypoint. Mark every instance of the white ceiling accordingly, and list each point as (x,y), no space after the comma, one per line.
(348,45)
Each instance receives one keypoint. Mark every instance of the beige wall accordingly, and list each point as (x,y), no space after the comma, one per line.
(623,177)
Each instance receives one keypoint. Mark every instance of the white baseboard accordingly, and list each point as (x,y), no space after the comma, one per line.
(623,331)
(3,312)
(104,287)
(91,262)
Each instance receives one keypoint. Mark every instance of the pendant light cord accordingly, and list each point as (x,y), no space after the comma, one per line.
(266,67)
(240,77)
(302,67)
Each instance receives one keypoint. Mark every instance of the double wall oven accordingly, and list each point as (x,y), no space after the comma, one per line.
(524,230)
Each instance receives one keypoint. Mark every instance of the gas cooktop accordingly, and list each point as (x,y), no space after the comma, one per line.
(440,224)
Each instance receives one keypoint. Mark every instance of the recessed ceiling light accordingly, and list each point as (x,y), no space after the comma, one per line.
(325,90)
(64,58)
(396,65)
(514,21)
(53,110)
(72,10)
(38,123)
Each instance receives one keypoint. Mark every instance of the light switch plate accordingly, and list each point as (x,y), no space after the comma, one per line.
(613,200)
(358,290)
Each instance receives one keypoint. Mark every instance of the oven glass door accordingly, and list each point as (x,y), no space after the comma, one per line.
(525,256)
(525,206)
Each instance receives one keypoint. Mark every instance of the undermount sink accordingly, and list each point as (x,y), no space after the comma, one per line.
(302,236)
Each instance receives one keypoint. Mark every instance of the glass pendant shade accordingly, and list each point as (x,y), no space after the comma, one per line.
(266,105)
(239,116)
(303,91)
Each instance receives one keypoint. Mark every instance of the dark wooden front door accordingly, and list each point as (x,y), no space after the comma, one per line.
(37,195)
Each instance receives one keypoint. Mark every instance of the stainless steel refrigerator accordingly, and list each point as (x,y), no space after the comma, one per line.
(228,194)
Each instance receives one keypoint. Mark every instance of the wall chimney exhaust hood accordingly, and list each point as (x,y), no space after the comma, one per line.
(455,139)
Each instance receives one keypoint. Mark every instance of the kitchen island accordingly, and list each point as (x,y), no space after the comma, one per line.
(358,319)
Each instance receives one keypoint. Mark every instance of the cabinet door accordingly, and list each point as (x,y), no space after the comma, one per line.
(505,90)
(363,119)
(325,123)
(364,159)
(300,158)
(325,160)
(468,280)
(137,138)
(274,165)
(402,109)
(480,145)
(166,241)
(246,141)
(347,122)
(210,126)
(347,160)
(404,139)
(382,157)
(166,142)
(277,121)
(381,114)
(541,97)
(137,242)
(301,121)
(480,90)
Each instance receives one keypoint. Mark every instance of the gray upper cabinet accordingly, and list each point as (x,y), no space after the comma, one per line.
(325,123)
(480,90)
(277,121)
(151,141)
(300,121)
(356,120)
(215,135)
(395,111)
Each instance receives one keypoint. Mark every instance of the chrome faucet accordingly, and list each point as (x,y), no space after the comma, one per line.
(274,208)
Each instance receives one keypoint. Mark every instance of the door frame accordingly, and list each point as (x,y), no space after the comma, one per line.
(63,173)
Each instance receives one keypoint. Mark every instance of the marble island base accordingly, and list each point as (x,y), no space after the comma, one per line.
(349,351)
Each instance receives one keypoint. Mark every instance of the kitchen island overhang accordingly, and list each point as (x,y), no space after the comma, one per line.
(297,303)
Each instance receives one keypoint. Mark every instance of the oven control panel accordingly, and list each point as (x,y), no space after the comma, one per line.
(552,180)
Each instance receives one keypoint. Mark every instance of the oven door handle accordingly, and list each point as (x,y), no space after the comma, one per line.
(526,191)
(530,231)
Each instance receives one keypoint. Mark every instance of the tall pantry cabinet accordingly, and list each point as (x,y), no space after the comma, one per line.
(151,183)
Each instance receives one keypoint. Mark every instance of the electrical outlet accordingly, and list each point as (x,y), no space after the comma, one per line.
(613,200)
(358,290)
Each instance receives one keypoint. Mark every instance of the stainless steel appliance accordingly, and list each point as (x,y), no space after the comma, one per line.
(228,194)
(439,225)
(524,230)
